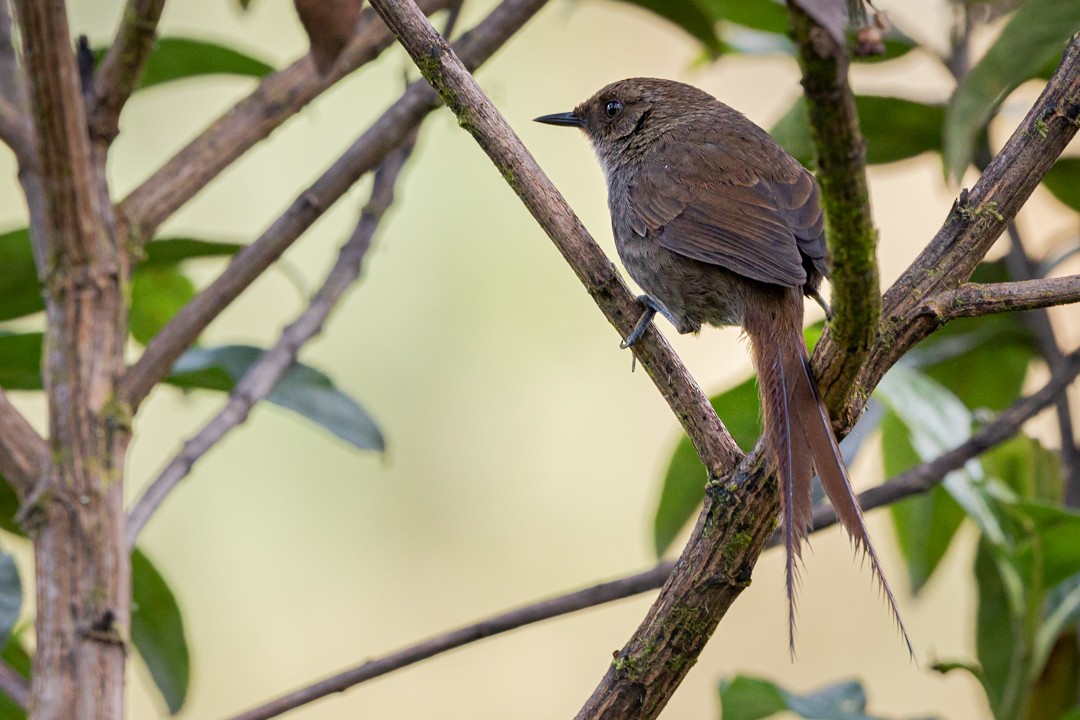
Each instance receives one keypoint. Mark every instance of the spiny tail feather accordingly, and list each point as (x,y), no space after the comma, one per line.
(819,437)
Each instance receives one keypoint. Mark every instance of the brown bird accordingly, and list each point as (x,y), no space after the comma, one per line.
(719,225)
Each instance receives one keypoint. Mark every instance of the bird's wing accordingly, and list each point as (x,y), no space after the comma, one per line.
(759,227)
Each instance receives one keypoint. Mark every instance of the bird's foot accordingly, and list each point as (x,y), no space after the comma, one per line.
(652,306)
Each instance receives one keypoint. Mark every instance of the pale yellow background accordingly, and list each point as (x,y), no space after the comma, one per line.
(524,457)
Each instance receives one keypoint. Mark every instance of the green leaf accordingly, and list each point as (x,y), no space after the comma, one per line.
(20,293)
(175,58)
(688,15)
(157,294)
(1033,37)
(925,524)
(937,421)
(1002,639)
(1055,689)
(17,658)
(684,482)
(10,596)
(303,390)
(157,631)
(1063,181)
(895,129)
(1061,610)
(747,698)
(763,15)
(20,361)
(170,251)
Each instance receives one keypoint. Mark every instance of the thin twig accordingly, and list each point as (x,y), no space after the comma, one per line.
(14,685)
(17,132)
(121,69)
(24,454)
(278,97)
(264,374)
(977,299)
(365,154)
(912,482)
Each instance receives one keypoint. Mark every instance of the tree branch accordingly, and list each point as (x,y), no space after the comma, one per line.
(24,454)
(975,299)
(17,133)
(264,374)
(852,237)
(366,153)
(121,69)
(278,97)
(475,112)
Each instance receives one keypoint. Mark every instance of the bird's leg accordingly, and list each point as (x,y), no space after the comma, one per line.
(652,306)
(816,296)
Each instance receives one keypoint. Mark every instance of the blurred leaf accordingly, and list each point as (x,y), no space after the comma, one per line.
(747,698)
(20,361)
(1030,470)
(688,15)
(684,483)
(1055,688)
(1033,37)
(1073,714)
(764,15)
(17,658)
(175,58)
(9,506)
(19,291)
(157,631)
(925,524)
(896,45)
(170,251)
(10,596)
(1001,640)
(1062,610)
(157,294)
(937,421)
(895,129)
(303,389)
(1063,181)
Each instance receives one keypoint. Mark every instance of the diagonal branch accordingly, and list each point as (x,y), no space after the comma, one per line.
(475,112)
(278,97)
(366,153)
(852,237)
(14,685)
(24,455)
(121,68)
(263,375)
(974,299)
(912,482)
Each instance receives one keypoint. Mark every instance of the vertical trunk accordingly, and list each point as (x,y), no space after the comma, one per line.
(75,516)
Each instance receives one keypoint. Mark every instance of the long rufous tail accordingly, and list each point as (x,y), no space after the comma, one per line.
(800,435)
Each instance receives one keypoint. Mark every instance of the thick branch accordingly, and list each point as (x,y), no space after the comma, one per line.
(277,98)
(263,375)
(475,112)
(24,455)
(366,153)
(974,299)
(17,133)
(912,482)
(121,69)
(852,237)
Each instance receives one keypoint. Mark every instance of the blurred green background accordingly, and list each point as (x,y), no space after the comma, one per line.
(524,455)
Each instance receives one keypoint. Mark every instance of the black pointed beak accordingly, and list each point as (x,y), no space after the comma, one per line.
(568,118)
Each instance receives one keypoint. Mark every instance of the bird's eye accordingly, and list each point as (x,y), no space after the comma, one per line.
(613,108)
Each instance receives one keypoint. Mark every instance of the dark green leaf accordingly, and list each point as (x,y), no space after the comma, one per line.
(17,658)
(689,16)
(1000,638)
(157,631)
(19,291)
(303,390)
(10,596)
(20,361)
(157,294)
(746,698)
(684,483)
(1033,37)
(170,251)
(895,129)
(1055,689)
(1063,181)
(764,15)
(925,524)
(1030,470)
(175,58)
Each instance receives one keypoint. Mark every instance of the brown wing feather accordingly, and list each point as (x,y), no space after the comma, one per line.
(745,223)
